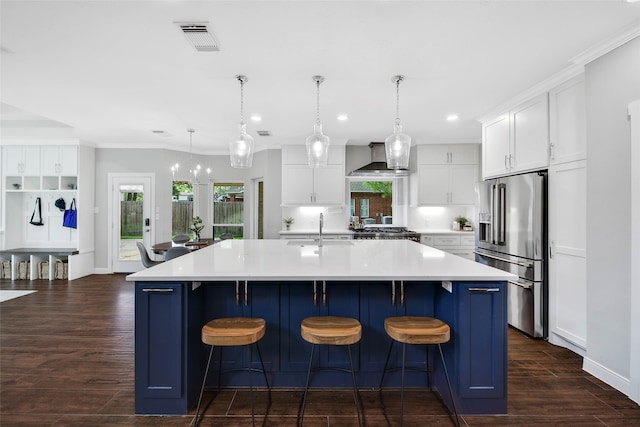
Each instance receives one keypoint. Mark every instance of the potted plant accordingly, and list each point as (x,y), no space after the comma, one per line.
(462,221)
(288,221)
(196,227)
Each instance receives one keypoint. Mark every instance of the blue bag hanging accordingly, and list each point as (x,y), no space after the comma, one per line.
(71,216)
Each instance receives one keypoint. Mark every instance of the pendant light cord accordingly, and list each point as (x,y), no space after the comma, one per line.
(318,102)
(398,101)
(241,100)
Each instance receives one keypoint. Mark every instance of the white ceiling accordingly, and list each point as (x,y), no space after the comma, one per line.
(116,70)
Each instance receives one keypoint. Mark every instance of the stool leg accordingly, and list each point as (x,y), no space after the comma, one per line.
(446,375)
(386,363)
(264,371)
(253,417)
(220,368)
(306,388)
(404,354)
(355,386)
(204,380)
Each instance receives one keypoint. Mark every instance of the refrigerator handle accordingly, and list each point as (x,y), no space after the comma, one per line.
(500,207)
(494,213)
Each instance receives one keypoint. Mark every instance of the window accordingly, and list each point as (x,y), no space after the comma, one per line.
(228,209)
(372,201)
(181,208)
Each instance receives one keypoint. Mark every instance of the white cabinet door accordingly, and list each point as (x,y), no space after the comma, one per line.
(22,160)
(433,184)
(567,254)
(462,184)
(297,185)
(567,122)
(464,154)
(496,147)
(329,185)
(433,154)
(530,135)
(60,160)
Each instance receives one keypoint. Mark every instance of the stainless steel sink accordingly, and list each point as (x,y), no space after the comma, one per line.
(316,242)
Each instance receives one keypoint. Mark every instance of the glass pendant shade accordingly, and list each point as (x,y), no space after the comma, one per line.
(318,143)
(241,146)
(241,149)
(317,148)
(397,145)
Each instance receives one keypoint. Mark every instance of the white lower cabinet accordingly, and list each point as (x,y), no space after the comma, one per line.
(567,256)
(459,244)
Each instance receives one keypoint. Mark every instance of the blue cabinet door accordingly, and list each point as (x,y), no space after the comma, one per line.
(167,318)
(476,355)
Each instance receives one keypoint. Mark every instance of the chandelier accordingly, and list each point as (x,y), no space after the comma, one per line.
(398,144)
(318,143)
(241,146)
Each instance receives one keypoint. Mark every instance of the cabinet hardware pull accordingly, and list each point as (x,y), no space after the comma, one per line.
(157,290)
(324,293)
(246,293)
(521,264)
(315,294)
(484,290)
(505,162)
(237,292)
(393,293)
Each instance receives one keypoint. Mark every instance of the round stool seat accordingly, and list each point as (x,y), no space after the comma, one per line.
(417,330)
(233,331)
(331,330)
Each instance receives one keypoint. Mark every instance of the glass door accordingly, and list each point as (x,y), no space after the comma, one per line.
(131,219)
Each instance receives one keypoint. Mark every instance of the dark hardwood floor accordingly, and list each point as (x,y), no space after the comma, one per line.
(66,359)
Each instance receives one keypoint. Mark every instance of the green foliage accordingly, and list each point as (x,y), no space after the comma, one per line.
(383,187)
(461,220)
(181,187)
(289,220)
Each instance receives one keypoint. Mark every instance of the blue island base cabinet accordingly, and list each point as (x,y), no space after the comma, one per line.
(170,357)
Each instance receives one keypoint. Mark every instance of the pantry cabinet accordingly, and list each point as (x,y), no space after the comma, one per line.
(304,186)
(517,141)
(567,122)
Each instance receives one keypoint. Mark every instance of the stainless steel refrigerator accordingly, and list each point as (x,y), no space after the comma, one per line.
(511,234)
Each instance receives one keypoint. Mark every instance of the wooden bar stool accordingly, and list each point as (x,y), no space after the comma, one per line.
(331,330)
(417,330)
(233,331)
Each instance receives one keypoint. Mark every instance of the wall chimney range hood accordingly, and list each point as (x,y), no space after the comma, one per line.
(378,166)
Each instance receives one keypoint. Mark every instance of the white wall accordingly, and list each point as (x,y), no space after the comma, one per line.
(266,165)
(612,81)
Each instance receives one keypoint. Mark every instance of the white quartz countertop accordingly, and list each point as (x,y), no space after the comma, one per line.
(283,260)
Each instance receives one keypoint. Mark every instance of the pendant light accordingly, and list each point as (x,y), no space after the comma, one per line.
(318,143)
(398,144)
(241,146)
(193,169)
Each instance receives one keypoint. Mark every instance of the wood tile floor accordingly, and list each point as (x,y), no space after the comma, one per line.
(66,359)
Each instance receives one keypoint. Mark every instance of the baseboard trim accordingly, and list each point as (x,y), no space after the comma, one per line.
(102,271)
(605,374)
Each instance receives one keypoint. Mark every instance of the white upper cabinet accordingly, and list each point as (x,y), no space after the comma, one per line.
(21,160)
(447,174)
(443,154)
(567,122)
(305,186)
(517,141)
(60,160)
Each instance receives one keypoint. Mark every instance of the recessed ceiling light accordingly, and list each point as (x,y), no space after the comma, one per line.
(343,117)
(452,117)
(256,118)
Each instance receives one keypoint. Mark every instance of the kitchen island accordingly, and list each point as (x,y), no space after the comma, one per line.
(284,281)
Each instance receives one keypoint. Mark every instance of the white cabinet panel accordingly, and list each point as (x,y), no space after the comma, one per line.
(21,160)
(462,181)
(433,186)
(448,154)
(530,135)
(60,160)
(457,244)
(567,122)
(297,185)
(496,146)
(517,141)
(329,185)
(567,254)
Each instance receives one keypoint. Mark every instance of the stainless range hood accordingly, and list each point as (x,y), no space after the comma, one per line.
(378,166)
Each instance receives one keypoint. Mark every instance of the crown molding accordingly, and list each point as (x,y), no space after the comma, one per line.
(605,46)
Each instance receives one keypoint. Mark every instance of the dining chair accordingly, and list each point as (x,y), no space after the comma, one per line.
(144,256)
(180,240)
(175,252)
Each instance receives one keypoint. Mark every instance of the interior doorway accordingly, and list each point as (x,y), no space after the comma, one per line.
(130,202)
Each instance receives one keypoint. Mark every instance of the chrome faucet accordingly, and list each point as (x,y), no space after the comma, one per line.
(321,224)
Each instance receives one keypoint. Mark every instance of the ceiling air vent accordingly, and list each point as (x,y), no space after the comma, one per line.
(199,36)
(264,133)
